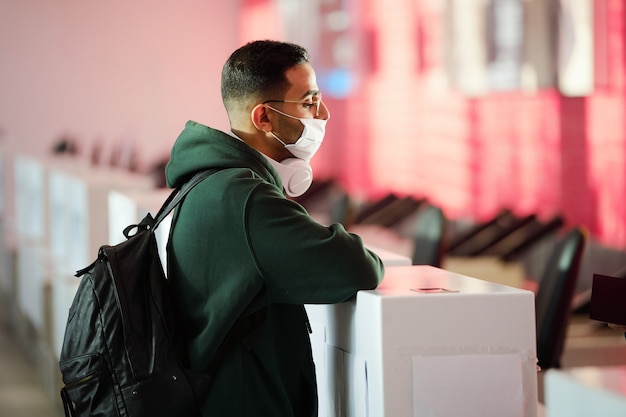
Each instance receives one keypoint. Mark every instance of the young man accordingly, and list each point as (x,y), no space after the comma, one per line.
(239,245)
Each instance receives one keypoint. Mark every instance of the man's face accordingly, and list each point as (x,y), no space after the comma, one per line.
(302,100)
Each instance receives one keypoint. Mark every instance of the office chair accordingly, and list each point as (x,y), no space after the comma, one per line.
(428,236)
(341,209)
(534,234)
(393,212)
(370,209)
(553,302)
(466,243)
(504,230)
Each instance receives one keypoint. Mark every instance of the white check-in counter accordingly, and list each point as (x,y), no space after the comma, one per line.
(30,199)
(30,237)
(101,199)
(79,210)
(81,220)
(586,391)
(319,314)
(427,342)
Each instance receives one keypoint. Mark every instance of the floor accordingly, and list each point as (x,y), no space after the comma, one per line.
(21,391)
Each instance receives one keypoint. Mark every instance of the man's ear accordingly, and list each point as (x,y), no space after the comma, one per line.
(260,119)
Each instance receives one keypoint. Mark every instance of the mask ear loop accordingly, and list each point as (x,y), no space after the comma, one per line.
(280,112)
(278,139)
(286,115)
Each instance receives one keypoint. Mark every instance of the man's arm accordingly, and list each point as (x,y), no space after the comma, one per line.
(302,261)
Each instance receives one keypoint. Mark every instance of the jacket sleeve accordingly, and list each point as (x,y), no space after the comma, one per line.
(302,261)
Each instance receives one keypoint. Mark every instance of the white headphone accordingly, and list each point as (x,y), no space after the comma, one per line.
(296,175)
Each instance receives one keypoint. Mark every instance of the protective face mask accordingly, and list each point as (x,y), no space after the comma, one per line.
(309,141)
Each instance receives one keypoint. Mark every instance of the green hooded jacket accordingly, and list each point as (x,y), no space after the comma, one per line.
(238,245)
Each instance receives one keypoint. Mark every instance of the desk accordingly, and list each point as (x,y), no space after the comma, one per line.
(427,342)
(586,391)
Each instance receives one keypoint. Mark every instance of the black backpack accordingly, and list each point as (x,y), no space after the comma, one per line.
(120,354)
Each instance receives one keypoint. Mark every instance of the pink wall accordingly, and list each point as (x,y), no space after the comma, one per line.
(535,152)
(116,72)
(126,72)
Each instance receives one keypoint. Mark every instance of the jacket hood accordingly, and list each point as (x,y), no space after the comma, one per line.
(200,147)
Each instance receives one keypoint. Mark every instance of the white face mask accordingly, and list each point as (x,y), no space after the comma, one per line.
(309,141)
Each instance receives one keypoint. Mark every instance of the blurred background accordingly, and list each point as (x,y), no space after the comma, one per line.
(477,106)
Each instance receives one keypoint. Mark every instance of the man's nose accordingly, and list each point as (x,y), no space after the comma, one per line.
(323,113)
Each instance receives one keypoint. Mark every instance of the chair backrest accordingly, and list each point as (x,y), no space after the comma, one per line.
(340,209)
(428,236)
(532,237)
(374,207)
(553,302)
(394,212)
(467,243)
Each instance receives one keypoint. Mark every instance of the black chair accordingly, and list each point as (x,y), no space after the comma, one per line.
(370,209)
(466,244)
(341,209)
(553,302)
(504,230)
(533,234)
(393,212)
(429,236)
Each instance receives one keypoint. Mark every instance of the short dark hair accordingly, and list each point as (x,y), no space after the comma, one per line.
(257,71)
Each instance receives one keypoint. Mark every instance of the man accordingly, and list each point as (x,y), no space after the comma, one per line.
(239,245)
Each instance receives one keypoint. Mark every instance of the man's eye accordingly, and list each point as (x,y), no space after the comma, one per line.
(308,105)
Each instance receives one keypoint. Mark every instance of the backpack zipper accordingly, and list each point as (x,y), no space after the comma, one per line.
(82,380)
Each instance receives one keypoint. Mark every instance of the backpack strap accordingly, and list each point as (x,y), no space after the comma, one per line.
(68,407)
(178,194)
(175,197)
(244,325)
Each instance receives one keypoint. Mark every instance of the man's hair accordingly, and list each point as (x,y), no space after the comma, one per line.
(256,71)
